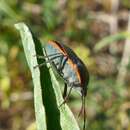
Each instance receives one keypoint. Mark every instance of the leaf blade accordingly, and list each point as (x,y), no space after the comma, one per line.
(29,49)
(47,94)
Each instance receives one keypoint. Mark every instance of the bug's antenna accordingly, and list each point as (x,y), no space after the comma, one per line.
(66,98)
(84,112)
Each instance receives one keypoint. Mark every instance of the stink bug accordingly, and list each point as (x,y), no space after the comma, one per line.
(70,68)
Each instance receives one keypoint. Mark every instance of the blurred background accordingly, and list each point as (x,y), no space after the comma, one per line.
(97,30)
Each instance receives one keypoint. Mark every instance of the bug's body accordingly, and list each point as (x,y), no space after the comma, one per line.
(72,69)
(69,67)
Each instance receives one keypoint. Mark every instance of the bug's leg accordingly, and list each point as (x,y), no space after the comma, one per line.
(39,65)
(62,63)
(59,68)
(65,91)
(83,110)
(42,64)
(47,56)
(48,61)
(66,98)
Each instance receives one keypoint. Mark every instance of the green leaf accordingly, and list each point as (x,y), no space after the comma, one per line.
(47,94)
(110,39)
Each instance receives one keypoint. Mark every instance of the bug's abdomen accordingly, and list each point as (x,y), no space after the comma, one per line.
(70,74)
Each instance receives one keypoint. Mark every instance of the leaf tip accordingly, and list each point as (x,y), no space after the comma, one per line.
(19,25)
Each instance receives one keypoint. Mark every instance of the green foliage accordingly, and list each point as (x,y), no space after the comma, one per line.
(47,93)
(4,82)
(110,39)
(126,3)
(49,14)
